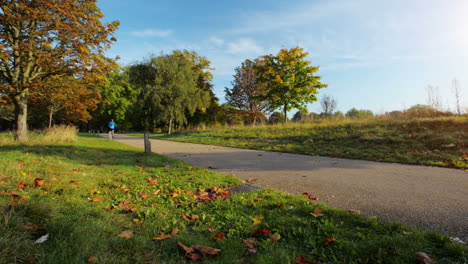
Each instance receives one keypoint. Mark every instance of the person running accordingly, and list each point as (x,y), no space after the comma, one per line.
(112,125)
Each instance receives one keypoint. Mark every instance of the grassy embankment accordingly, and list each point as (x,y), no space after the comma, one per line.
(436,142)
(103,202)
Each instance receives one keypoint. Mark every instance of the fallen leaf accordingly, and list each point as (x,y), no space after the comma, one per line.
(21,185)
(74,182)
(94,192)
(317,213)
(302,260)
(91,259)
(125,204)
(156,192)
(126,234)
(275,237)
(310,197)
(220,237)
(250,242)
(354,211)
(14,195)
(190,218)
(264,231)
(38,182)
(251,180)
(198,253)
(329,240)
(162,236)
(143,195)
(152,181)
(175,231)
(34,228)
(4,179)
(95,200)
(257,220)
(126,190)
(76,170)
(42,239)
(21,164)
(424,258)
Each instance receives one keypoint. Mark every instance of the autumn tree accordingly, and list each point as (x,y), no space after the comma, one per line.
(44,38)
(290,80)
(246,90)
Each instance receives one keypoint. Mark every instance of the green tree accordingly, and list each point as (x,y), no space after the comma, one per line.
(172,93)
(290,80)
(44,38)
(118,96)
(300,115)
(245,91)
(276,118)
(359,114)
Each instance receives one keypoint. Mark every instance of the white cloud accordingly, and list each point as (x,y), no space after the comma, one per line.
(152,33)
(244,46)
(217,41)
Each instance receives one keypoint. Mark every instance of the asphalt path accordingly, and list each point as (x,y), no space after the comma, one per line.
(428,198)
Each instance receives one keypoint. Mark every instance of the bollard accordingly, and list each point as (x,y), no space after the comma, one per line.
(147,143)
(110,135)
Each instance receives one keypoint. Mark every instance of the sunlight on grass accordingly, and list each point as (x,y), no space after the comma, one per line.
(86,194)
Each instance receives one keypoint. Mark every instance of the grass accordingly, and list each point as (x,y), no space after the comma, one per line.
(435,142)
(86,193)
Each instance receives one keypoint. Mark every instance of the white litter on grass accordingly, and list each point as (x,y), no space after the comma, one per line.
(458,240)
(290,207)
(42,239)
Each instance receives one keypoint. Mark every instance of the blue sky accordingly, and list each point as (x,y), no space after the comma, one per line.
(373,54)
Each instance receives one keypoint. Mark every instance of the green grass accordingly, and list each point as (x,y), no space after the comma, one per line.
(435,142)
(95,189)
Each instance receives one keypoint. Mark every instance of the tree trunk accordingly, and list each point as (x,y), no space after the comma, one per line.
(21,116)
(285,115)
(51,113)
(170,126)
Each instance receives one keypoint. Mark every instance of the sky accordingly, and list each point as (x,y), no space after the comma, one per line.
(373,54)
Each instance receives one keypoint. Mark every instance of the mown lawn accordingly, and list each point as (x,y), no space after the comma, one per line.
(102,202)
(435,142)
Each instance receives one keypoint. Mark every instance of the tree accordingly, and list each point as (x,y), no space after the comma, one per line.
(118,96)
(245,91)
(289,79)
(359,114)
(328,104)
(173,92)
(276,118)
(300,115)
(456,90)
(433,98)
(44,38)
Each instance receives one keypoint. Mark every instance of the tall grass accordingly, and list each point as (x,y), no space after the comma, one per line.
(61,134)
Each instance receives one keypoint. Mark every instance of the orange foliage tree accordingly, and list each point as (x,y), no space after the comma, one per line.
(44,38)
(73,97)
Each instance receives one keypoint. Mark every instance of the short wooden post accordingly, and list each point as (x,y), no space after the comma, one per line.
(110,135)
(147,143)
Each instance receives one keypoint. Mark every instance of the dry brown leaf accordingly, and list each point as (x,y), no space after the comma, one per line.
(126,234)
(302,260)
(175,231)
(4,179)
(21,185)
(91,259)
(251,180)
(198,253)
(152,181)
(220,237)
(38,182)
(162,236)
(74,182)
(96,200)
(317,213)
(424,258)
(143,195)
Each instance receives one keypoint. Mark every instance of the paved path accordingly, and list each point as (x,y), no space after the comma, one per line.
(426,197)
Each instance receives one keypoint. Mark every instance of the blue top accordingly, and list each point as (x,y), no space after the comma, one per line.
(112,125)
